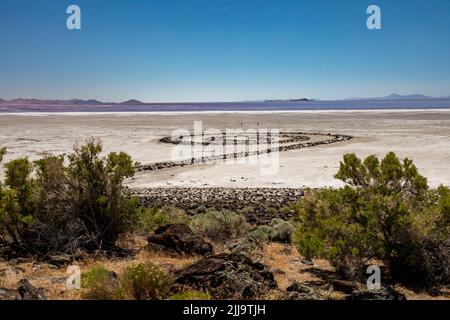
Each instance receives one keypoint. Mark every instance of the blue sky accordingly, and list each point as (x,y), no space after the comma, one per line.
(223,50)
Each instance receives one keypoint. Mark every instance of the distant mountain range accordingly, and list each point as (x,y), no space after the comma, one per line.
(133,102)
(90,102)
(396,96)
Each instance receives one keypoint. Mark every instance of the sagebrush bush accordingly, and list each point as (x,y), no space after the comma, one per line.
(387,212)
(100,284)
(2,153)
(56,225)
(220,225)
(49,206)
(13,225)
(98,197)
(277,230)
(149,219)
(17,178)
(248,245)
(16,207)
(281,230)
(262,233)
(247,211)
(145,281)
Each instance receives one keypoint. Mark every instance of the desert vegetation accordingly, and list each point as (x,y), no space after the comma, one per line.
(62,204)
(75,208)
(137,282)
(385,212)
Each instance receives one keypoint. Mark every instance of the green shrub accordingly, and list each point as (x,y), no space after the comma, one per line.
(385,212)
(138,282)
(262,233)
(191,295)
(247,211)
(287,210)
(271,211)
(13,225)
(2,153)
(443,195)
(17,178)
(100,284)
(16,208)
(48,206)
(57,226)
(145,281)
(220,225)
(278,230)
(281,230)
(149,219)
(247,245)
(98,197)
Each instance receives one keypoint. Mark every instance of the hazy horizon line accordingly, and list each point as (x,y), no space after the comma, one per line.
(392,96)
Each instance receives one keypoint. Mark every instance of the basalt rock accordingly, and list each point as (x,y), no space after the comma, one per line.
(297,291)
(9,294)
(288,141)
(227,276)
(28,292)
(344,286)
(384,293)
(59,259)
(179,239)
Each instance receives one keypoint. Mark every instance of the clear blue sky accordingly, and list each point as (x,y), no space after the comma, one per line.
(223,50)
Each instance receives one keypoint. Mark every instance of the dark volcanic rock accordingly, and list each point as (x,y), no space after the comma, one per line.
(8,294)
(60,259)
(297,287)
(227,276)
(288,141)
(28,292)
(179,239)
(384,293)
(347,287)
(297,291)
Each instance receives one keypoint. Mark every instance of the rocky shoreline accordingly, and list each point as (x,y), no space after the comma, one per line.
(259,205)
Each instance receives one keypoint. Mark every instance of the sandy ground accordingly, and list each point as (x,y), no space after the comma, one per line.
(422,135)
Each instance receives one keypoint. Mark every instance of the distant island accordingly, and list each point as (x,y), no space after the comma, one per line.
(289,100)
(132,102)
(396,96)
